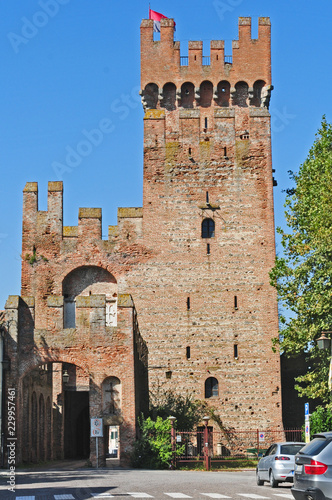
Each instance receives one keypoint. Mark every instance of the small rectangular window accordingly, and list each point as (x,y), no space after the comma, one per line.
(188,352)
(236,351)
(235,302)
(208,251)
(188,303)
(225,151)
(205,123)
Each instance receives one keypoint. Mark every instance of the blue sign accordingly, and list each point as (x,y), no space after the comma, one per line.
(306,408)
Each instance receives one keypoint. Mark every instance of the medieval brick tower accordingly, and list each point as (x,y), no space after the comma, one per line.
(194,260)
(205,304)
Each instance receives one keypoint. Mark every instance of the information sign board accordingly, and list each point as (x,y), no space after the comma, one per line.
(96,427)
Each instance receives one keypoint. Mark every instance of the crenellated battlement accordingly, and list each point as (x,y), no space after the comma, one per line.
(43,228)
(166,75)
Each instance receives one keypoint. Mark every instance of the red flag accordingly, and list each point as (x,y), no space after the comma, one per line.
(156,16)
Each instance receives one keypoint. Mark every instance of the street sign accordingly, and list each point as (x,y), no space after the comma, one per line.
(307,432)
(307,422)
(306,409)
(261,437)
(96,427)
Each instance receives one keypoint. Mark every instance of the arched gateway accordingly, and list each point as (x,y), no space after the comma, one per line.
(66,373)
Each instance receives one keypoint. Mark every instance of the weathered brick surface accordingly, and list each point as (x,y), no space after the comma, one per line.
(204,305)
(189,150)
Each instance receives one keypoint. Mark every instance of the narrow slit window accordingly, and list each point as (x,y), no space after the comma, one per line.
(225,151)
(189,151)
(188,303)
(205,123)
(195,58)
(207,197)
(188,352)
(235,302)
(236,351)
(208,249)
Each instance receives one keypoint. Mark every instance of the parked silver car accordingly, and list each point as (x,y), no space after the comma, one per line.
(277,465)
(313,469)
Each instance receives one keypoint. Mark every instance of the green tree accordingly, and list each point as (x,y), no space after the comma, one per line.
(187,410)
(303,275)
(321,419)
(153,450)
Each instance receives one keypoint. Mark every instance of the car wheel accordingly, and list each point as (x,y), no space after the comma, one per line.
(259,481)
(273,481)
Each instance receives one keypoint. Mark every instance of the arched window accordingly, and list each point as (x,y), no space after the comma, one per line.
(241,94)
(111,389)
(169,96)
(208,228)
(84,281)
(211,387)
(187,95)
(151,95)
(206,94)
(257,93)
(223,93)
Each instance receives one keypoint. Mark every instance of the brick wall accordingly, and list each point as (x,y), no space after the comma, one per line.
(204,304)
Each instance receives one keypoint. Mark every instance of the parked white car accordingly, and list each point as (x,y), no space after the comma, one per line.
(278,463)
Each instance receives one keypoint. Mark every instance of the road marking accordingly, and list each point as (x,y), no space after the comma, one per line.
(25,498)
(64,497)
(102,495)
(177,495)
(140,495)
(251,495)
(214,495)
(283,495)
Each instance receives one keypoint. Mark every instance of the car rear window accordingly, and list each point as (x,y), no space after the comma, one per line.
(315,446)
(290,449)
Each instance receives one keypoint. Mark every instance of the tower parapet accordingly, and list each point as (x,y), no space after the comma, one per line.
(162,66)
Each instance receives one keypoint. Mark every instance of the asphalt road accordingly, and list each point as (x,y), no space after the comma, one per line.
(127,484)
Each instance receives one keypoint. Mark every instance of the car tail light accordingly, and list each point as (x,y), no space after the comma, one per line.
(281,457)
(315,467)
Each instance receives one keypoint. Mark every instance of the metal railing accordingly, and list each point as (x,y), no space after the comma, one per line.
(215,448)
(206,60)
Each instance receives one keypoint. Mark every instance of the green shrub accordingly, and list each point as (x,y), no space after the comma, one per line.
(153,449)
(321,419)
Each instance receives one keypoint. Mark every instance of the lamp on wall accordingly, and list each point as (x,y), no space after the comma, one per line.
(65,377)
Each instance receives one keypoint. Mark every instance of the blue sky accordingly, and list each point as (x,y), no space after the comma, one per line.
(68,65)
